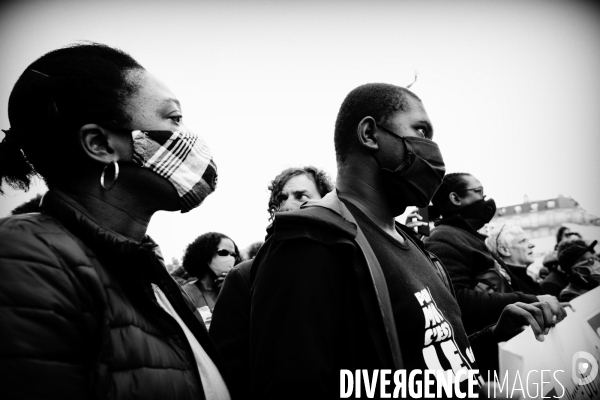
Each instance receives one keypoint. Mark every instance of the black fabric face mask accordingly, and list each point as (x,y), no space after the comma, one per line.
(414,181)
(479,213)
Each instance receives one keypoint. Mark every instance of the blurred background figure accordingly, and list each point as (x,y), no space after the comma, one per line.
(181,276)
(551,260)
(582,266)
(510,245)
(230,327)
(252,250)
(208,259)
(557,279)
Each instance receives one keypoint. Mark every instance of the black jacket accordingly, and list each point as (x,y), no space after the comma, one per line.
(230,327)
(556,281)
(465,255)
(309,320)
(79,316)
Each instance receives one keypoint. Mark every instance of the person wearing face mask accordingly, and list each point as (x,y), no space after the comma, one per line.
(338,284)
(510,245)
(582,265)
(208,258)
(557,279)
(462,204)
(230,328)
(88,307)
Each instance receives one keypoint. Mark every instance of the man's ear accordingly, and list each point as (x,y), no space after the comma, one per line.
(503,251)
(365,132)
(454,199)
(96,143)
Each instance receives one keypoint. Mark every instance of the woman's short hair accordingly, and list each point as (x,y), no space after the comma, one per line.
(201,251)
(56,95)
(320,177)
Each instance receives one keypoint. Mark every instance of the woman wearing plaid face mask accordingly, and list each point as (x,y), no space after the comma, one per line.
(88,309)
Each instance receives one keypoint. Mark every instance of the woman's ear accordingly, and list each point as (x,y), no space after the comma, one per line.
(104,145)
(96,144)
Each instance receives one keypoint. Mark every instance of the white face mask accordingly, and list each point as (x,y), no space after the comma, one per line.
(182,158)
(220,265)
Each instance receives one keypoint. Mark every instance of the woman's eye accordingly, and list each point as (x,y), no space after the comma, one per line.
(176,118)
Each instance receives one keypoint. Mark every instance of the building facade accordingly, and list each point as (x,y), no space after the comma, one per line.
(544,217)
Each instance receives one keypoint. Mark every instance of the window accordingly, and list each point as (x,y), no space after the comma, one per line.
(534,207)
(518,209)
(551,204)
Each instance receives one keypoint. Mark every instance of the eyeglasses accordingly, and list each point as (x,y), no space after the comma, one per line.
(225,253)
(498,237)
(478,190)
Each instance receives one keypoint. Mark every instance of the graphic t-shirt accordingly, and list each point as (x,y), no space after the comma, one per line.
(428,319)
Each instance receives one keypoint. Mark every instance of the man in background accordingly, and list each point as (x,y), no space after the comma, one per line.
(510,245)
(230,327)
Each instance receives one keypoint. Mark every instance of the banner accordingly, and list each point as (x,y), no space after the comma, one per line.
(565,365)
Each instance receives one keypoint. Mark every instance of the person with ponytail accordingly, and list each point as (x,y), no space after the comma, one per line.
(88,309)
(461,209)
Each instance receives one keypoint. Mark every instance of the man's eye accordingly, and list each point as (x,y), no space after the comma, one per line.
(176,118)
(422,132)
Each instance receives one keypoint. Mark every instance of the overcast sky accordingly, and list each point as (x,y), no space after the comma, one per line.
(512,87)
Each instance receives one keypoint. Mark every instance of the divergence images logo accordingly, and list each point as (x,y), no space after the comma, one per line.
(584,368)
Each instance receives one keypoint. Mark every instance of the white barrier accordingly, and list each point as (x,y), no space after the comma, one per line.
(565,365)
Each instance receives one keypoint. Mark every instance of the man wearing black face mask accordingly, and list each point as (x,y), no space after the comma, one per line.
(463,205)
(339,285)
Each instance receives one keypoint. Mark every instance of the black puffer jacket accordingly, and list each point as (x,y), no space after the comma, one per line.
(79,318)
(465,256)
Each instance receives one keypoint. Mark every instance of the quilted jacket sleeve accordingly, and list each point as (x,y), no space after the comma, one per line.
(46,327)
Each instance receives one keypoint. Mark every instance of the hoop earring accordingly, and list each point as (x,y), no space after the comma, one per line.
(116,165)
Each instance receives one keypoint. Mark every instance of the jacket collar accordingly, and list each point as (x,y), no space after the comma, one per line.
(459,222)
(85,227)
(332,202)
(328,221)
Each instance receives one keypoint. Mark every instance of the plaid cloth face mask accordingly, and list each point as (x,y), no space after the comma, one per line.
(182,158)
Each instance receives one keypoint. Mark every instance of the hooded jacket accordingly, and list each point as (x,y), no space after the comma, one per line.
(79,316)
(307,323)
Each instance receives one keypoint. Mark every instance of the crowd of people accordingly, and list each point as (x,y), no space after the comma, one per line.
(89,310)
